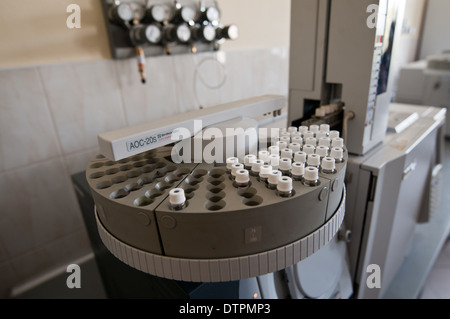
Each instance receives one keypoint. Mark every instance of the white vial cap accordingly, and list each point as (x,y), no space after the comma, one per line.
(265,170)
(286,139)
(300,157)
(337,142)
(285,164)
(334,134)
(324,128)
(296,134)
(337,153)
(311,141)
(177,197)
(311,174)
(249,159)
(303,129)
(325,141)
(235,167)
(321,134)
(242,176)
(283,129)
(292,129)
(322,151)
(231,161)
(313,160)
(284,184)
(274,176)
(329,164)
(282,144)
(314,128)
(297,139)
(298,169)
(295,147)
(308,135)
(256,165)
(264,156)
(309,149)
(274,160)
(286,152)
(274,150)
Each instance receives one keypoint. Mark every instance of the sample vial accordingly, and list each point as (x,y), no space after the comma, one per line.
(230,161)
(324,127)
(313,160)
(309,149)
(264,156)
(286,153)
(264,172)
(338,154)
(311,141)
(314,128)
(322,151)
(274,160)
(311,177)
(325,141)
(272,180)
(300,157)
(177,199)
(337,142)
(303,130)
(256,166)
(234,168)
(308,134)
(297,139)
(295,147)
(242,178)
(274,150)
(284,187)
(292,129)
(285,166)
(333,134)
(281,144)
(286,139)
(248,160)
(328,165)
(297,171)
(321,134)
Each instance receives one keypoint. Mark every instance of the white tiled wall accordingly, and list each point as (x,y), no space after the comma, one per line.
(50,116)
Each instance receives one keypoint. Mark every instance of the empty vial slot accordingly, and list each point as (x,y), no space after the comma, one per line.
(216,188)
(119,179)
(110,163)
(111,171)
(133,187)
(215,206)
(247,192)
(168,168)
(153,193)
(99,156)
(146,169)
(123,161)
(133,174)
(163,186)
(125,168)
(136,157)
(215,197)
(252,201)
(121,193)
(104,185)
(172,178)
(191,180)
(97,165)
(181,171)
(198,173)
(145,180)
(139,164)
(217,172)
(96,175)
(143,201)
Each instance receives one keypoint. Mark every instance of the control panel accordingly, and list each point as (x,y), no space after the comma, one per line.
(164,27)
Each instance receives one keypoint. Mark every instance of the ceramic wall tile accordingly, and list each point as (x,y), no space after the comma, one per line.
(77,162)
(85,100)
(27,134)
(153,100)
(38,205)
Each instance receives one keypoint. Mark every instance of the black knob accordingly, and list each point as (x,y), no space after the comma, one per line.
(177,33)
(230,32)
(204,33)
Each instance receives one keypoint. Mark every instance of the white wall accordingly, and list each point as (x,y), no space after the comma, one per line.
(436,35)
